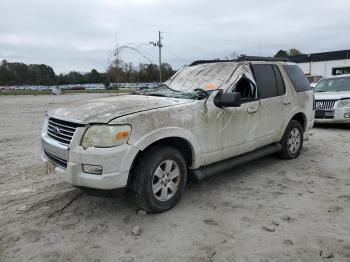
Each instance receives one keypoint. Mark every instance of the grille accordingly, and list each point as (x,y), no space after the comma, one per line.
(324,104)
(60,130)
(56,160)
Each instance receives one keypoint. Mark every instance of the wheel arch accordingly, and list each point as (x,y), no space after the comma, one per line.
(179,138)
(174,136)
(301,118)
(180,143)
(296,115)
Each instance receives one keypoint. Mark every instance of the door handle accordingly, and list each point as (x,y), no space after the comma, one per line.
(286,101)
(252,109)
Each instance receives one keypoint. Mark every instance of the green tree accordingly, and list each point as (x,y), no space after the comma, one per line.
(294,52)
(41,75)
(281,53)
(167,71)
(286,53)
(4,73)
(93,77)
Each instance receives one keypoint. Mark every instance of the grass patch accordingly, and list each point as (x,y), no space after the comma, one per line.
(24,92)
(48,92)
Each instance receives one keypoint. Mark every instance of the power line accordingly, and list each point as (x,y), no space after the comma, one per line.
(175,55)
(136,50)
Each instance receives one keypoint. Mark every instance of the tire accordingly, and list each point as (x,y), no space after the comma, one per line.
(292,140)
(154,190)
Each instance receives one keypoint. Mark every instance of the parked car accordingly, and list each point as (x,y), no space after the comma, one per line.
(56,90)
(332,100)
(209,117)
(313,85)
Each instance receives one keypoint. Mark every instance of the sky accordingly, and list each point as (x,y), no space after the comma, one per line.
(82,34)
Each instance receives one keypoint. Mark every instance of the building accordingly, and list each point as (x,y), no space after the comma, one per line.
(318,65)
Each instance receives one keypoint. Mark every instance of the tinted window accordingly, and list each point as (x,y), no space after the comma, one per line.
(297,78)
(281,89)
(265,80)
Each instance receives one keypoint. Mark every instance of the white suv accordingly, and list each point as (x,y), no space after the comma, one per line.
(332,100)
(209,117)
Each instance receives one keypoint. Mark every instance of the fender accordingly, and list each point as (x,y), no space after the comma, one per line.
(170,132)
(291,114)
(306,110)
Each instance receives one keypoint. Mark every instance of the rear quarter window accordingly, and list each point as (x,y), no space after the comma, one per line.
(297,77)
(281,89)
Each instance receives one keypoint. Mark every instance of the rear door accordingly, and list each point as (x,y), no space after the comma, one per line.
(271,92)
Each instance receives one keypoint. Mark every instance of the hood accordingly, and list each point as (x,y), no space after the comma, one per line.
(332,95)
(103,110)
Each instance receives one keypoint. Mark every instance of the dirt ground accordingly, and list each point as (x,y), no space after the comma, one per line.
(267,210)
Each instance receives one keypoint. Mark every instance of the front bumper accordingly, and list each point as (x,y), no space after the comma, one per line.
(336,115)
(115,161)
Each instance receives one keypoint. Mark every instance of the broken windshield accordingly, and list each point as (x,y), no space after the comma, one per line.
(207,76)
(165,91)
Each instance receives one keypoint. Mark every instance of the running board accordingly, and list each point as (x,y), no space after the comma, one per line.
(230,163)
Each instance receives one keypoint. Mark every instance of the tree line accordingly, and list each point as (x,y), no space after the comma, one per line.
(15,73)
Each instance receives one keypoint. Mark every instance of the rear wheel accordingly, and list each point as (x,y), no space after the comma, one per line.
(159,178)
(292,141)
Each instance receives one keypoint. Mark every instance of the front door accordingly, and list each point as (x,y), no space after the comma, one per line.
(226,130)
(229,128)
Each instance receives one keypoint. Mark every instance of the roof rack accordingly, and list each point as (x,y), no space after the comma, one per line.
(242,59)
(262,58)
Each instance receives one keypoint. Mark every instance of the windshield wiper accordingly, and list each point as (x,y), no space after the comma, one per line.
(166,91)
(201,93)
(165,86)
(155,94)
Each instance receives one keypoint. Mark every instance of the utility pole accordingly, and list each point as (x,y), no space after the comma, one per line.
(160,45)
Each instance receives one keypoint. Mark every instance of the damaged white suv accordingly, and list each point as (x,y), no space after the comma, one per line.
(209,117)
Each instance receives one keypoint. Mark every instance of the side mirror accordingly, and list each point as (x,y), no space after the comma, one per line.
(228,99)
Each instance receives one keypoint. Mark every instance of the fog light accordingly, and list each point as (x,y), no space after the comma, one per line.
(92,169)
(347,115)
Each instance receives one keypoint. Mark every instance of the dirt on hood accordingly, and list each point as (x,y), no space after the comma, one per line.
(104,110)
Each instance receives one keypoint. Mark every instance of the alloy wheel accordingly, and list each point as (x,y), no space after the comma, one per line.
(166,179)
(294,140)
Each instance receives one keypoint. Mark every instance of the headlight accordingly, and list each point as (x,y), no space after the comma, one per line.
(344,103)
(105,136)
(45,124)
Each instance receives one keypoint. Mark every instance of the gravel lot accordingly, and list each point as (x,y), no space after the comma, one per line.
(268,210)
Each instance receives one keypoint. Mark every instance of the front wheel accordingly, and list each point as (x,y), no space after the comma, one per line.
(292,141)
(159,178)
